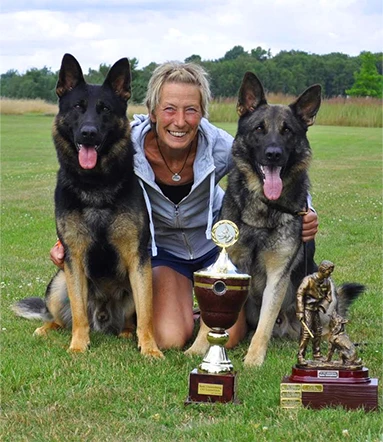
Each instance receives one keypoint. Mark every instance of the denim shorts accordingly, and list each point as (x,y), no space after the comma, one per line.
(184,266)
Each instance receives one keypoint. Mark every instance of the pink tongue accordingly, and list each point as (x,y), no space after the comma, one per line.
(87,157)
(272,186)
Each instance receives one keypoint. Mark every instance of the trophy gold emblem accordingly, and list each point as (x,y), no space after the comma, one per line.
(221,292)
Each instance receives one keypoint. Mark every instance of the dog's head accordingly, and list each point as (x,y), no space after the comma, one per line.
(337,323)
(271,139)
(91,118)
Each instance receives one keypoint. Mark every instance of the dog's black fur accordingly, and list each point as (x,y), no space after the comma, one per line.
(266,195)
(101,216)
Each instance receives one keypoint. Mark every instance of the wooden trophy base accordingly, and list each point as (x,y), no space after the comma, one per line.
(321,387)
(204,387)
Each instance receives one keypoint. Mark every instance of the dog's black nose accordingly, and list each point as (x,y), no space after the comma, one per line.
(103,316)
(273,153)
(89,132)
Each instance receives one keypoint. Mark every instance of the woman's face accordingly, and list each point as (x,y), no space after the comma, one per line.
(177,115)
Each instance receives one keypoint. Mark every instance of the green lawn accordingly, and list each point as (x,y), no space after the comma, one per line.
(112,393)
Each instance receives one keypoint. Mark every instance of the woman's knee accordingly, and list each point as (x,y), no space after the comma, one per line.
(173,337)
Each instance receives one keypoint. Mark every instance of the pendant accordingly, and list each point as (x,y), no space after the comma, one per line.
(176,177)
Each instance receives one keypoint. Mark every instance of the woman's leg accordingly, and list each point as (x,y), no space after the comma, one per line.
(172,308)
(238,331)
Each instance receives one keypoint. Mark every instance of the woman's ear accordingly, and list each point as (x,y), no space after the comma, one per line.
(152,117)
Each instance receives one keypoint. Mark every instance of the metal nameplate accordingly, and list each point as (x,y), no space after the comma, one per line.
(210,389)
(313,388)
(291,394)
(328,374)
(290,387)
(291,403)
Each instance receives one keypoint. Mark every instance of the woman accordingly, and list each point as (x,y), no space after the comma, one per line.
(180,159)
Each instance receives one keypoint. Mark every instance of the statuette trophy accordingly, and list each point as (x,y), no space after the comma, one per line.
(321,381)
(221,292)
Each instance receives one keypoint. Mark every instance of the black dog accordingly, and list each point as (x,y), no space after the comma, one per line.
(266,195)
(101,216)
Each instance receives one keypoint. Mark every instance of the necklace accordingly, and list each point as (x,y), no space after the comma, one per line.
(176,175)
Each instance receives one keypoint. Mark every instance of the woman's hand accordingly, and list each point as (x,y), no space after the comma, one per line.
(57,254)
(310,226)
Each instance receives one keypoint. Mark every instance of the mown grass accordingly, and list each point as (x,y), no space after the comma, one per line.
(112,393)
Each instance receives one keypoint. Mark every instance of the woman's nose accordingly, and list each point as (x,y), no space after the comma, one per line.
(179,118)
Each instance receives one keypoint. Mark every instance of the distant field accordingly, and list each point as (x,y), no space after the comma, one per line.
(112,393)
(359,112)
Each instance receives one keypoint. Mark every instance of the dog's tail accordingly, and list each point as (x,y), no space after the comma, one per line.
(347,294)
(32,308)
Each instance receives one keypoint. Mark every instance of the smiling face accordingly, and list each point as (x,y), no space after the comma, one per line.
(177,115)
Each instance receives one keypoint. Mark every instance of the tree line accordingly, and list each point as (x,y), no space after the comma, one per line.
(288,72)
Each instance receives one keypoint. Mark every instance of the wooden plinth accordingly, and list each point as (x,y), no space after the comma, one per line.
(324,387)
(211,387)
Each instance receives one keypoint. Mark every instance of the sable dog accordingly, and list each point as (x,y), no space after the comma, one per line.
(101,217)
(266,196)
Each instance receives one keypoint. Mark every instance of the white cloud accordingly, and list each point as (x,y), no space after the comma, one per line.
(38,32)
(87,31)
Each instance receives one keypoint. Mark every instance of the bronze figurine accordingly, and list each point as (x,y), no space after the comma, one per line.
(313,295)
(339,341)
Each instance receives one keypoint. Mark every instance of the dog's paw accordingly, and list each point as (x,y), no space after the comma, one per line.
(254,359)
(77,346)
(126,334)
(40,332)
(153,353)
(199,350)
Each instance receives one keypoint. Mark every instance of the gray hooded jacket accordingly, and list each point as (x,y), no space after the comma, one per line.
(184,229)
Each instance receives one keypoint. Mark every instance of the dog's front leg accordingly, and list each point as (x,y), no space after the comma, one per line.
(141,282)
(200,345)
(272,299)
(77,285)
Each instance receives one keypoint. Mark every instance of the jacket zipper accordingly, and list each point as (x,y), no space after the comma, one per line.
(176,213)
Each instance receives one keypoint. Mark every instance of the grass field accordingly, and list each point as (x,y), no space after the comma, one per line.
(112,393)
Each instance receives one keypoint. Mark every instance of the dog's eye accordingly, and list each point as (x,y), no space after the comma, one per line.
(105,109)
(286,130)
(260,128)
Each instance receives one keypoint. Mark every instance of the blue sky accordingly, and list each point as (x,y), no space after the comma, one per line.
(36,33)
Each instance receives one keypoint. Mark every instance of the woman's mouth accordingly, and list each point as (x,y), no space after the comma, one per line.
(177,134)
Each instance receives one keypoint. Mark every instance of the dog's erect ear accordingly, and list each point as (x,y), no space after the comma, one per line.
(119,79)
(251,94)
(307,104)
(70,75)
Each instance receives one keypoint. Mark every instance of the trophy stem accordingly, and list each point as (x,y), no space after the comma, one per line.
(216,360)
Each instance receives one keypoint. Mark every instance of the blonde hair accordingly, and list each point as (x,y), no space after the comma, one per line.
(177,72)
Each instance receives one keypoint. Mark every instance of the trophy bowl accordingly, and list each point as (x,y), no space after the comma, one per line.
(220,298)
(221,292)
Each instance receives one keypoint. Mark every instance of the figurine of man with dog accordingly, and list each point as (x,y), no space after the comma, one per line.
(314,295)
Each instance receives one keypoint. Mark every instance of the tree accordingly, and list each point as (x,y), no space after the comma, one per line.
(140,82)
(260,54)
(368,82)
(234,53)
(193,59)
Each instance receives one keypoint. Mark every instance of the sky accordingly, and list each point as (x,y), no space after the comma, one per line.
(37,33)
